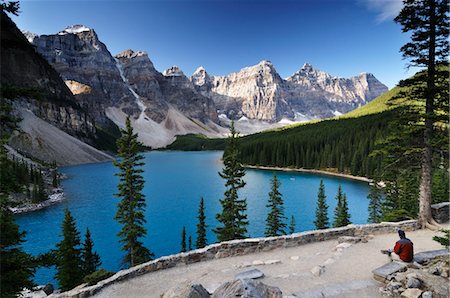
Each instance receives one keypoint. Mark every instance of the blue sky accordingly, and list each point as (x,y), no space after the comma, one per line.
(342,37)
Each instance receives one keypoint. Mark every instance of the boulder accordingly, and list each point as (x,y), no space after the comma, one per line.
(250,274)
(426,256)
(247,288)
(48,289)
(427,294)
(411,293)
(413,283)
(386,271)
(318,270)
(187,291)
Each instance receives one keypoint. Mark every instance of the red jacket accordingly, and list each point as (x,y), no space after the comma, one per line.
(404,249)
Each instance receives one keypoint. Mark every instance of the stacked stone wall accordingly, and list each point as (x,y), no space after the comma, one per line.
(242,247)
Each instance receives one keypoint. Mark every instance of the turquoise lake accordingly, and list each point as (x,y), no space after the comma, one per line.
(175,181)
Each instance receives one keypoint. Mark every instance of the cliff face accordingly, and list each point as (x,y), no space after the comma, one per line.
(258,92)
(26,74)
(36,91)
(79,56)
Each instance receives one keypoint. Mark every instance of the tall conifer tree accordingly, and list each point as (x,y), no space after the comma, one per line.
(276,220)
(130,210)
(69,264)
(233,217)
(375,203)
(321,221)
(183,239)
(427,22)
(201,240)
(292,225)
(90,258)
(16,267)
(341,215)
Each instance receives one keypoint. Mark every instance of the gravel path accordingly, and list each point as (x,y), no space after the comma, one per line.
(346,271)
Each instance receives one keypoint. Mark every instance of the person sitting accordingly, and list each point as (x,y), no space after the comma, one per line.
(404,248)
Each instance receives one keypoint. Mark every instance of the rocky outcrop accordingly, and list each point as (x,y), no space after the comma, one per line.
(187,291)
(430,280)
(258,92)
(79,56)
(310,89)
(28,81)
(254,92)
(247,288)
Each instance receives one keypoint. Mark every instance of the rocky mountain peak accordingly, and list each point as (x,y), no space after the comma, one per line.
(75,29)
(173,71)
(307,67)
(131,54)
(200,77)
(29,35)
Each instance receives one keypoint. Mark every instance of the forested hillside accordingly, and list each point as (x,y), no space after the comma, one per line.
(335,145)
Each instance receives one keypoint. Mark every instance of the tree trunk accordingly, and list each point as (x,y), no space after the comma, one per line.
(427,155)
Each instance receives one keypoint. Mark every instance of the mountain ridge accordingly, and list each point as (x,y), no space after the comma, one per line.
(256,95)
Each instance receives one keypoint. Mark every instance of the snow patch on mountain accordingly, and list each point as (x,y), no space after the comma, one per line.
(74,29)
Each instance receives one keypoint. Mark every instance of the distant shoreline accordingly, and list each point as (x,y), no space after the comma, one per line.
(359,178)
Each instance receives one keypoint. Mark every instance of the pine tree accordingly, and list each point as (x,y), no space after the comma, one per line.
(427,22)
(11,7)
(201,240)
(341,215)
(375,203)
(17,268)
(55,179)
(91,259)
(130,210)
(69,264)
(321,221)
(292,225)
(234,210)
(275,221)
(183,239)
(189,243)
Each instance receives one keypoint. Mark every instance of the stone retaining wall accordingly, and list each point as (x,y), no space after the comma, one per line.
(242,247)
(441,212)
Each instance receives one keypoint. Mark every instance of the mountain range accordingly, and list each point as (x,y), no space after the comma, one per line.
(163,105)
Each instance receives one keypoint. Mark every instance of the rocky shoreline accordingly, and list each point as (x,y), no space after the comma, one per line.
(52,199)
(347,176)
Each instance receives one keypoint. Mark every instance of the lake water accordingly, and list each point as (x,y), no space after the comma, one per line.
(175,181)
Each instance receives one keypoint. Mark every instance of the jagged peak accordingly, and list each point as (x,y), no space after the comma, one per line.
(131,54)
(265,62)
(29,35)
(307,66)
(75,29)
(173,71)
(200,69)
